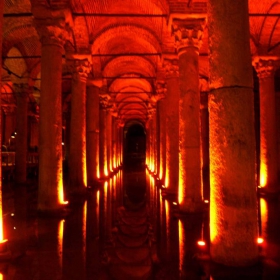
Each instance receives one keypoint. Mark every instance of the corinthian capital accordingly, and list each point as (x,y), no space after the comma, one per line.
(171,67)
(161,89)
(80,69)
(266,66)
(188,33)
(104,101)
(53,26)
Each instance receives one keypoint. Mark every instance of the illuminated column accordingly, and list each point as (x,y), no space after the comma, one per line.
(80,65)
(1,205)
(265,68)
(104,103)
(114,140)
(233,201)
(172,124)
(161,123)
(148,152)
(22,93)
(92,124)
(161,91)
(188,35)
(53,34)
(109,138)
(204,120)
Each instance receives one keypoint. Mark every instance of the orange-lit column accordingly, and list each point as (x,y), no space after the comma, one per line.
(148,152)
(188,35)
(161,92)
(204,120)
(104,103)
(109,138)
(53,35)
(265,68)
(21,90)
(114,141)
(233,201)
(92,124)
(1,204)
(77,152)
(172,124)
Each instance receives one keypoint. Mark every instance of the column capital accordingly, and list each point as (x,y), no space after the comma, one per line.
(161,89)
(188,33)
(80,68)
(151,110)
(104,101)
(53,26)
(171,66)
(266,65)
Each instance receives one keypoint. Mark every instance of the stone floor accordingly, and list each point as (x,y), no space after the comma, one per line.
(125,230)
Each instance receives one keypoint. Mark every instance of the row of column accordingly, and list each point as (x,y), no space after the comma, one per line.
(233,192)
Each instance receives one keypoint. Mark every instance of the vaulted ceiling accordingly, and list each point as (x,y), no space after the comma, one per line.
(126,39)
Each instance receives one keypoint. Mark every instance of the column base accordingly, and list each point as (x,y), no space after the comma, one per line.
(59,212)
(191,206)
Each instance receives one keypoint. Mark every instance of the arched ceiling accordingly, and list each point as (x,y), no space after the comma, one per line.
(126,39)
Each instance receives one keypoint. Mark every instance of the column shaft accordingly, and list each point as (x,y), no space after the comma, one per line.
(172,135)
(77,152)
(102,143)
(50,128)
(190,196)
(92,122)
(109,139)
(233,201)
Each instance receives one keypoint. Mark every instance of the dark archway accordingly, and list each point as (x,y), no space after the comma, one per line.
(134,146)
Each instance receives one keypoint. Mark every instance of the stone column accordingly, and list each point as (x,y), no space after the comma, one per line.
(80,65)
(109,139)
(233,201)
(188,35)
(204,140)
(22,93)
(265,68)
(52,35)
(161,91)
(172,124)
(92,123)
(114,141)
(103,167)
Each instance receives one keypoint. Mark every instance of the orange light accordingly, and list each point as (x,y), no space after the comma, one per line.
(263,175)
(181,244)
(174,203)
(260,240)
(1,276)
(84,229)
(201,243)
(180,192)
(206,201)
(60,241)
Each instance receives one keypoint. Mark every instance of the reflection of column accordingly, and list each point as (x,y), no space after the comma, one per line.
(53,35)
(92,122)
(188,34)
(77,155)
(103,167)
(21,129)
(172,124)
(265,68)
(233,208)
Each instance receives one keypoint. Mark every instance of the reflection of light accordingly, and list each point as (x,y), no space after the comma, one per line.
(201,243)
(260,240)
(84,229)
(263,209)
(1,218)
(181,244)
(263,175)
(60,241)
